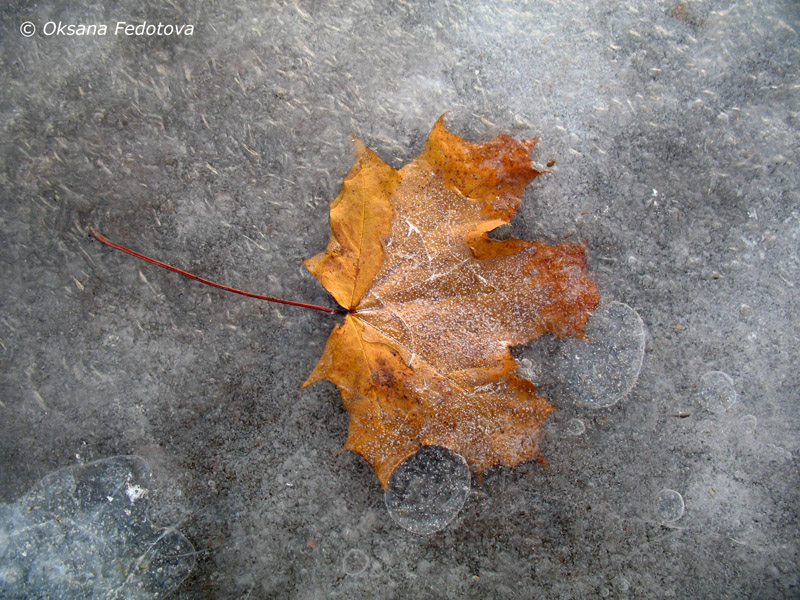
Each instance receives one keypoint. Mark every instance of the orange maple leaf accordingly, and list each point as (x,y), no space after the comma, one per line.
(434,304)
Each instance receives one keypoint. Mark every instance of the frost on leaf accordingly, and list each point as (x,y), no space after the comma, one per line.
(434,303)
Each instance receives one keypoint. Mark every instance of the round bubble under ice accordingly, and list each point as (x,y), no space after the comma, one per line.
(599,371)
(428,489)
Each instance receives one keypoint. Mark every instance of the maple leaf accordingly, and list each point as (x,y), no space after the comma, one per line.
(434,303)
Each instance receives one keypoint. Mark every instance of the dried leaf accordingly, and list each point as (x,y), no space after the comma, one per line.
(434,303)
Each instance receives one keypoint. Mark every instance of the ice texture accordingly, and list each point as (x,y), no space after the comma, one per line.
(675,130)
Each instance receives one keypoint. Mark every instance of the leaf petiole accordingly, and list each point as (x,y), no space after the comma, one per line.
(104,240)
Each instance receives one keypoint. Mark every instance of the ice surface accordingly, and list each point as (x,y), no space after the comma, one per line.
(674,127)
(85,532)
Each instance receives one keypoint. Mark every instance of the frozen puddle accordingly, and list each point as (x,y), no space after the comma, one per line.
(84,532)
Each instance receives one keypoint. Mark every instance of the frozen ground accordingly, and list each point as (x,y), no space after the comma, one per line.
(674,127)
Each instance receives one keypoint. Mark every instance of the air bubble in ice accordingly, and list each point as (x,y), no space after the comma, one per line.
(428,489)
(748,423)
(355,562)
(669,506)
(717,392)
(575,427)
(599,371)
(83,532)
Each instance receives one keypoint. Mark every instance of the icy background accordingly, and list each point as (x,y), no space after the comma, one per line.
(674,127)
